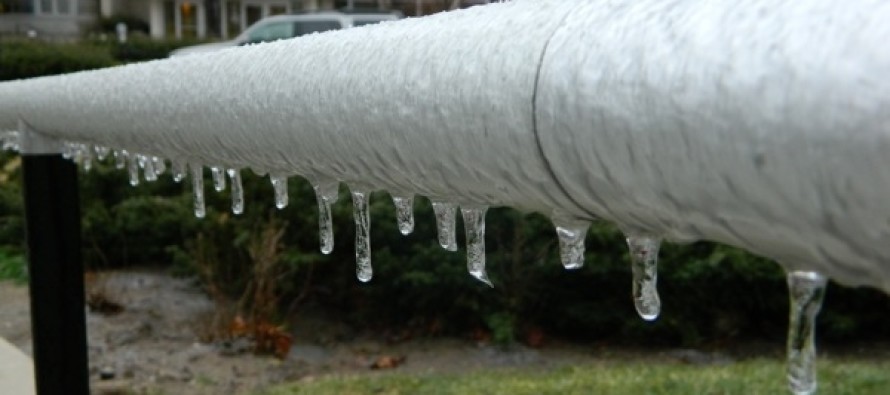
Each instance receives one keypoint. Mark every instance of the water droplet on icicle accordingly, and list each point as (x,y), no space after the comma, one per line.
(571,233)
(120,159)
(219,178)
(279,183)
(68,150)
(197,173)
(325,195)
(148,166)
(363,269)
(644,266)
(83,155)
(159,165)
(806,291)
(404,213)
(101,152)
(474,225)
(237,191)
(133,169)
(445,223)
(178,170)
(12,141)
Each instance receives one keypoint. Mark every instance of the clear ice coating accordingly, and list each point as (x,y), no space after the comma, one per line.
(101,152)
(279,183)
(219,178)
(806,291)
(363,269)
(325,195)
(571,233)
(237,191)
(445,223)
(644,266)
(197,173)
(133,169)
(474,225)
(178,170)
(120,159)
(404,213)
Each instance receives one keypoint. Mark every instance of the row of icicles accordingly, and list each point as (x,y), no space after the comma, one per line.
(806,289)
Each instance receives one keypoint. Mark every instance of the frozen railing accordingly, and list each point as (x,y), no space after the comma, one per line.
(762,124)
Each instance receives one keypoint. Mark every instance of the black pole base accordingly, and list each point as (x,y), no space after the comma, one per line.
(58,323)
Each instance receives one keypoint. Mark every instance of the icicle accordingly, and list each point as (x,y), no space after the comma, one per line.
(280,184)
(219,178)
(445,220)
(159,165)
(68,150)
(11,141)
(101,152)
(237,191)
(363,269)
(133,169)
(474,225)
(571,233)
(644,265)
(149,172)
(178,170)
(197,173)
(141,159)
(85,157)
(806,291)
(325,195)
(120,159)
(404,213)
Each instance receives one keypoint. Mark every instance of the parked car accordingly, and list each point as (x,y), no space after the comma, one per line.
(280,27)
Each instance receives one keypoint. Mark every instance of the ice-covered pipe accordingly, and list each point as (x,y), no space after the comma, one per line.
(758,123)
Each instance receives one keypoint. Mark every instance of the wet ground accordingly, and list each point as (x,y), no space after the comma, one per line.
(156,344)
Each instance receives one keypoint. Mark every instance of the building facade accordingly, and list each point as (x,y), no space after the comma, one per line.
(49,18)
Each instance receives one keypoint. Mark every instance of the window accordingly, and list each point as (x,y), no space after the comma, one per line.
(363,22)
(61,7)
(301,28)
(16,6)
(272,32)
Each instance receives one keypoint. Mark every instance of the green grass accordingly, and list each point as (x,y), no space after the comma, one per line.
(759,376)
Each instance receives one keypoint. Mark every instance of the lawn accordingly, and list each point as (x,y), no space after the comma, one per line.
(758,376)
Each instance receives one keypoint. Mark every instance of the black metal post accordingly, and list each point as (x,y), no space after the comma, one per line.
(58,323)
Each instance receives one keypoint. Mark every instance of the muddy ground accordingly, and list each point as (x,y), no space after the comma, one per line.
(154,344)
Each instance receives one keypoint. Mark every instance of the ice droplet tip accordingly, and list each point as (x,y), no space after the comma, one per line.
(573,265)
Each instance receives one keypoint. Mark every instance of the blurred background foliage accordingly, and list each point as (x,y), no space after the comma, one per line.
(268,261)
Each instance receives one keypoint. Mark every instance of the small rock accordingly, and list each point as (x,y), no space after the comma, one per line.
(106,373)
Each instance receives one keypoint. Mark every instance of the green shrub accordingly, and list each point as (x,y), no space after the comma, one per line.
(12,265)
(138,49)
(31,58)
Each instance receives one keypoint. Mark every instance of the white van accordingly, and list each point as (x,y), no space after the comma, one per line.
(288,26)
